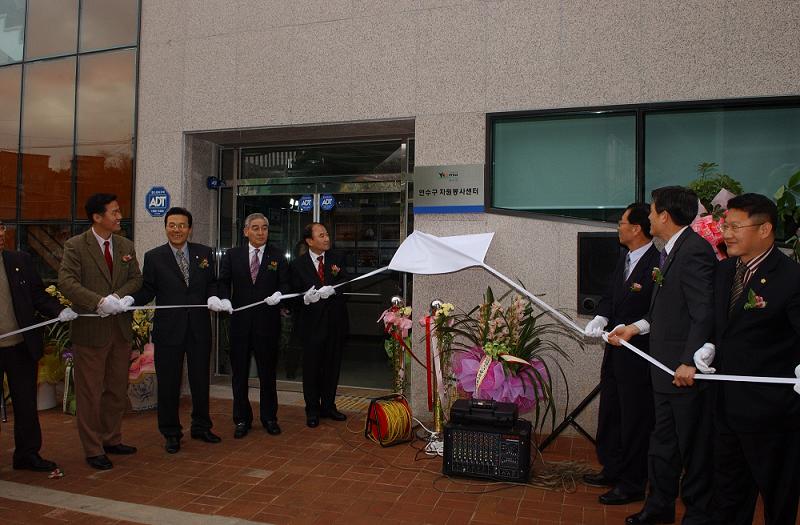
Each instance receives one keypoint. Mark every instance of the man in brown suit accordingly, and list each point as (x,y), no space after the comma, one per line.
(97,269)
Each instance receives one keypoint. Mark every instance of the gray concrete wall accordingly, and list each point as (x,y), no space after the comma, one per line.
(224,64)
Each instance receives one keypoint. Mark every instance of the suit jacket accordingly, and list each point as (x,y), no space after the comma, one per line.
(236,285)
(84,279)
(28,297)
(163,281)
(759,342)
(326,317)
(622,305)
(681,313)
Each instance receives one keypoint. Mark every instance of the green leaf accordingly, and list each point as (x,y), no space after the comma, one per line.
(794,181)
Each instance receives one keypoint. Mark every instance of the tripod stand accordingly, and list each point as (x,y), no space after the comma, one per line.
(570,420)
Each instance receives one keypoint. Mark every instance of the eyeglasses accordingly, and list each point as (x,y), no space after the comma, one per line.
(620,223)
(736,227)
(173,226)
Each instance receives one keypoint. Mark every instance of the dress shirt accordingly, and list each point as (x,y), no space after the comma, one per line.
(634,256)
(753,264)
(102,241)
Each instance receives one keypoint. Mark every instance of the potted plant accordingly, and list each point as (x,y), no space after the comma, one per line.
(709,183)
(508,353)
(787,198)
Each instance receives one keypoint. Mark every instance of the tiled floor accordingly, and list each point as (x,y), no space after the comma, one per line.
(327,475)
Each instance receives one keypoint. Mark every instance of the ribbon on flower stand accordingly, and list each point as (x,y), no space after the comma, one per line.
(486,362)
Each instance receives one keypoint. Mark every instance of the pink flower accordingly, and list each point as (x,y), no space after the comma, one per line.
(636,287)
(127,258)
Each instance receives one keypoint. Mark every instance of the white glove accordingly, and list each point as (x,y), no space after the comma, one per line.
(311,296)
(126,302)
(704,357)
(214,304)
(226,306)
(797,385)
(604,335)
(273,299)
(66,315)
(594,328)
(326,291)
(109,305)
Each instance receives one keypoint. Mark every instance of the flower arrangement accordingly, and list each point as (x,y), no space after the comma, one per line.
(142,350)
(754,302)
(335,270)
(56,343)
(506,353)
(658,277)
(397,324)
(203,264)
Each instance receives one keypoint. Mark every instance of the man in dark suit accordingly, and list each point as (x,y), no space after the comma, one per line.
(757,426)
(680,321)
(626,395)
(99,267)
(180,272)
(323,323)
(248,274)
(22,295)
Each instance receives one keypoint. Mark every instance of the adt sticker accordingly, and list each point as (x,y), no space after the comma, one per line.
(327,202)
(156,202)
(306,203)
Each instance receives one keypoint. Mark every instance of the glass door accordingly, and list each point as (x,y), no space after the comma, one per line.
(366,222)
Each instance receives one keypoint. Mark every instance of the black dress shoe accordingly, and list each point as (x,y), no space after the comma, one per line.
(100,462)
(333,414)
(241,430)
(598,480)
(34,462)
(120,449)
(272,427)
(173,444)
(207,436)
(616,496)
(312,421)
(645,518)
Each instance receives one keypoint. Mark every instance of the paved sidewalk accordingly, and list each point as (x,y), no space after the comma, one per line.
(327,475)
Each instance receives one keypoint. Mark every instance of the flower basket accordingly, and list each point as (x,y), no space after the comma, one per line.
(142,383)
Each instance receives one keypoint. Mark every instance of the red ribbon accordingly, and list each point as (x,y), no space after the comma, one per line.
(428,360)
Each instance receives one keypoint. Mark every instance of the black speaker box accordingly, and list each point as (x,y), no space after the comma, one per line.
(597,256)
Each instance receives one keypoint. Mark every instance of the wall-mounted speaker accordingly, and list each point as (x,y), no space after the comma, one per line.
(597,256)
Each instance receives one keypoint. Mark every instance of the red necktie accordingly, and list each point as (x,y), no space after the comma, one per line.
(109,260)
(321,269)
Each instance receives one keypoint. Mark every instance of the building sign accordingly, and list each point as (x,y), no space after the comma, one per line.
(156,201)
(448,189)
(327,202)
(306,203)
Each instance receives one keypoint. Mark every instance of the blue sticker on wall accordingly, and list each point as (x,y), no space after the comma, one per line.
(306,203)
(156,201)
(327,202)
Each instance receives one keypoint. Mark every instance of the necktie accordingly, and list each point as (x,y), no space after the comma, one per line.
(183,265)
(627,266)
(107,255)
(662,258)
(738,285)
(254,266)
(321,269)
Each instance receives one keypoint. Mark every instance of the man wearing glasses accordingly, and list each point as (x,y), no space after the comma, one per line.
(757,333)
(21,296)
(175,273)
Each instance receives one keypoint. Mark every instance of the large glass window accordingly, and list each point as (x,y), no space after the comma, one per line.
(592,163)
(52,28)
(108,23)
(104,141)
(47,130)
(12,30)
(576,165)
(9,139)
(758,147)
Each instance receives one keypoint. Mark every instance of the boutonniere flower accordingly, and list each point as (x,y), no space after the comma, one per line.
(203,263)
(754,301)
(658,277)
(127,258)
(272,266)
(335,270)
(636,287)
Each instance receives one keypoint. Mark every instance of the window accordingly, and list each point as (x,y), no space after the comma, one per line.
(52,28)
(10,78)
(591,163)
(570,164)
(108,23)
(11,30)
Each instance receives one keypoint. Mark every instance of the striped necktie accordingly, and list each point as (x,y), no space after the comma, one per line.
(738,285)
(183,264)
(254,266)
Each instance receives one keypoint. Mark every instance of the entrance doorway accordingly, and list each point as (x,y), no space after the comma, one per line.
(367,221)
